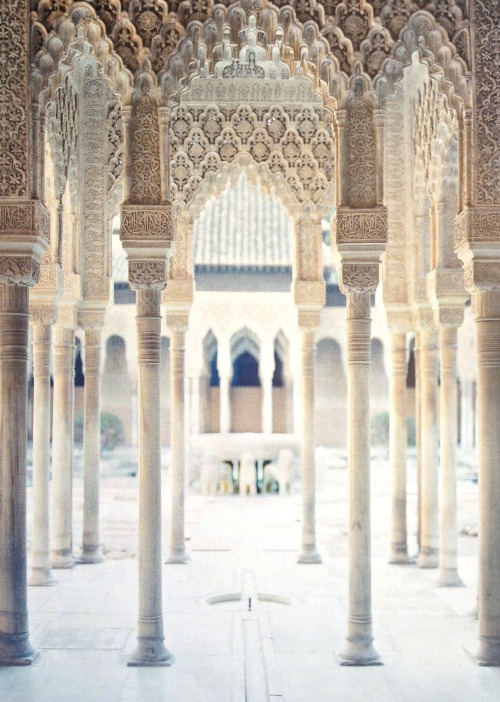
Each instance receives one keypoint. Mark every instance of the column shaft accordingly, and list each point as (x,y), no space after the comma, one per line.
(267,404)
(309,552)
(91,547)
(62,448)
(488,405)
(397,449)
(225,404)
(178,447)
(418,435)
(359,648)
(429,440)
(150,650)
(15,647)
(448,573)
(41,573)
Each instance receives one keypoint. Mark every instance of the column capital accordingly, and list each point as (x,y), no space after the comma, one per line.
(24,236)
(399,318)
(179,292)
(447,294)
(42,314)
(359,277)
(147,274)
(91,317)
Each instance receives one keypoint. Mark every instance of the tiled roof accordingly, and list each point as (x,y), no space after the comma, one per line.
(243,228)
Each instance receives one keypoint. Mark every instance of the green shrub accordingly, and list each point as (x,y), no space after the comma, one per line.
(380,424)
(111,430)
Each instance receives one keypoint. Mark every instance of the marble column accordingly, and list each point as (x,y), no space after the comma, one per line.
(91,547)
(15,647)
(62,447)
(359,649)
(309,552)
(429,441)
(150,649)
(397,450)
(487,312)
(41,573)
(267,403)
(225,403)
(448,573)
(178,443)
(418,435)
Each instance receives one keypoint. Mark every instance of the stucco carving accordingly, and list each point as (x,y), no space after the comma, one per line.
(14,139)
(146,178)
(147,274)
(19,270)
(360,226)
(487,89)
(146,223)
(359,278)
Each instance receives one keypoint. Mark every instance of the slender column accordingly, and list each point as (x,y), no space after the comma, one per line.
(309,552)
(448,573)
(398,441)
(41,573)
(62,448)
(487,309)
(418,435)
(150,649)
(15,647)
(178,445)
(267,403)
(91,548)
(429,439)
(296,405)
(359,649)
(225,404)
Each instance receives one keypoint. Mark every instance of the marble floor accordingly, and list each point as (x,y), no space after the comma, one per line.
(244,621)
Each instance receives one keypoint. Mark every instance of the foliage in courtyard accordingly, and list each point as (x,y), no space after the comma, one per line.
(380,427)
(111,431)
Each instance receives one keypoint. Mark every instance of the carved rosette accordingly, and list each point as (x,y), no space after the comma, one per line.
(360,226)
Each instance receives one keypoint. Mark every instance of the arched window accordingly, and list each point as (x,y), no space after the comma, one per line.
(245,371)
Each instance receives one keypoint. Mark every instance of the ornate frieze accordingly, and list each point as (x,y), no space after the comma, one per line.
(358,226)
(486,48)
(477,225)
(14,100)
(144,223)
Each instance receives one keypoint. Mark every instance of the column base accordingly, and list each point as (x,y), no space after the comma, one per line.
(62,559)
(488,654)
(150,653)
(450,578)
(428,558)
(359,650)
(399,555)
(91,554)
(180,557)
(16,650)
(41,577)
(309,554)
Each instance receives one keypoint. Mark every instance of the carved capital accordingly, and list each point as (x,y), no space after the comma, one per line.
(399,319)
(178,320)
(309,319)
(67,315)
(19,270)
(449,316)
(359,278)
(178,293)
(354,226)
(91,317)
(307,293)
(147,274)
(50,282)
(25,223)
(42,313)
(482,275)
